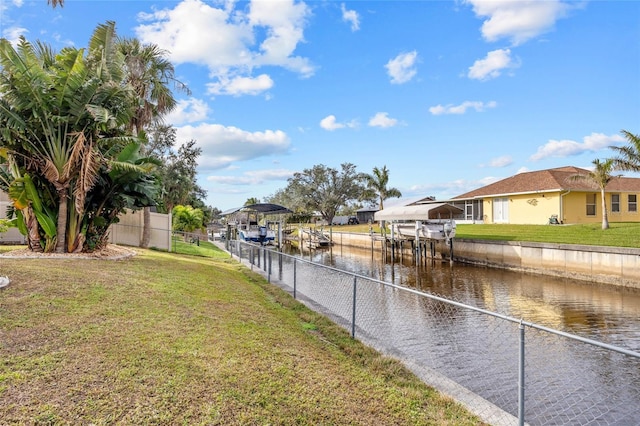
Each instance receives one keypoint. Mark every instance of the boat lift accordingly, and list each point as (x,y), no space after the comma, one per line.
(421,223)
(244,223)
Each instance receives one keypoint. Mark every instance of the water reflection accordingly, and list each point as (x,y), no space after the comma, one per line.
(602,312)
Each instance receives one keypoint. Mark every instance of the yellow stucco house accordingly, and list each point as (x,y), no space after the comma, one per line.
(535,197)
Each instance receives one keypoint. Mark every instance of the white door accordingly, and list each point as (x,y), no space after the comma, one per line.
(468,211)
(500,210)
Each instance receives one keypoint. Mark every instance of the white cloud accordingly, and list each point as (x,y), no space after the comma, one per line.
(240,85)
(350,16)
(188,111)
(330,123)
(254,177)
(522,170)
(503,161)
(382,119)
(492,65)
(13,34)
(225,145)
(565,148)
(462,108)
(402,68)
(517,20)
(231,41)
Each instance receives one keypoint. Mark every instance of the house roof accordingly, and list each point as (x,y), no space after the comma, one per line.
(549,180)
(417,212)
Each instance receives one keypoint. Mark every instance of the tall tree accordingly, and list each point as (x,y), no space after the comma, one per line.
(599,177)
(150,74)
(252,200)
(377,183)
(628,158)
(325,189)
(177,174)
(58,111)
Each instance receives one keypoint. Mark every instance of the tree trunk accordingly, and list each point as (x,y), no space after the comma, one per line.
(605,217)
(61,231)
(33,236)
(146,230)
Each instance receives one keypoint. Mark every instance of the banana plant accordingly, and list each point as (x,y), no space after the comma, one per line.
(28,203)
(12,182)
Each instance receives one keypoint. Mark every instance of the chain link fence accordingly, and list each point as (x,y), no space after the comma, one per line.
(505,370)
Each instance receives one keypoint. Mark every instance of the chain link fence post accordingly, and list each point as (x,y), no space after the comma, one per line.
(353,312)
(294,277)
(521,377)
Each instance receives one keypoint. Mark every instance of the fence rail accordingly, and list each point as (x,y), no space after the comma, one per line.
(505,370)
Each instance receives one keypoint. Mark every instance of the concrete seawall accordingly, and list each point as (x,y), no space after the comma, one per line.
(610,265)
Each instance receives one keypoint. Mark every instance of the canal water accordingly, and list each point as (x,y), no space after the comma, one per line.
(600,312)
(566,381)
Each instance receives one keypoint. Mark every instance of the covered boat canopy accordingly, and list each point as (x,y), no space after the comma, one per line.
(418,212)
(264,208)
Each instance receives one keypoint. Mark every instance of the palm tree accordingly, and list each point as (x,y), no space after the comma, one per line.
(251,201)
(377,184)
(57,109)
(150,74)
(628,156)
(127,183)
(599,178)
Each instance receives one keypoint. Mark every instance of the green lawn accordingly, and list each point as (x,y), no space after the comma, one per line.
(618,235)
(164,338)
(197,248)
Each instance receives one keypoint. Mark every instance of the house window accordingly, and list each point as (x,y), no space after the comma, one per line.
(633,203)
(615,203)
(591,204)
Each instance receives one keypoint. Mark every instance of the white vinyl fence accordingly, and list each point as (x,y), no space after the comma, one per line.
(129,230)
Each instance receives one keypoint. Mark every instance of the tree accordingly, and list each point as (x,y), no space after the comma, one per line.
(150,74)
(179,177)
(186,218)
(377,184)
(325,189)
(599,178)
(127,182)
(252,200)
(177,174)
(628,158)
(58,113)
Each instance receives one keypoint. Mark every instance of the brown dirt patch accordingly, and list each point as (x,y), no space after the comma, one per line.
(111,252)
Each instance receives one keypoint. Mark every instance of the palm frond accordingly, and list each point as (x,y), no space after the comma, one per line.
(89,168)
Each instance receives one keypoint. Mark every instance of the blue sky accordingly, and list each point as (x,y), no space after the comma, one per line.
(449,95)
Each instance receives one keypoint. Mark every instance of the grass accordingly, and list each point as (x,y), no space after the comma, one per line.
(165,338)
(618,235)
(201,248)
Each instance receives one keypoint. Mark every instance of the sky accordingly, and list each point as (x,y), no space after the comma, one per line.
(448,95)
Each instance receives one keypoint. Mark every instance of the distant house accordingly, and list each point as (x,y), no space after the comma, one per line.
(365,214)
(535,197)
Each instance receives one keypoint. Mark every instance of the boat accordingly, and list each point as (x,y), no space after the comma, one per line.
(430,230)
(254,233)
